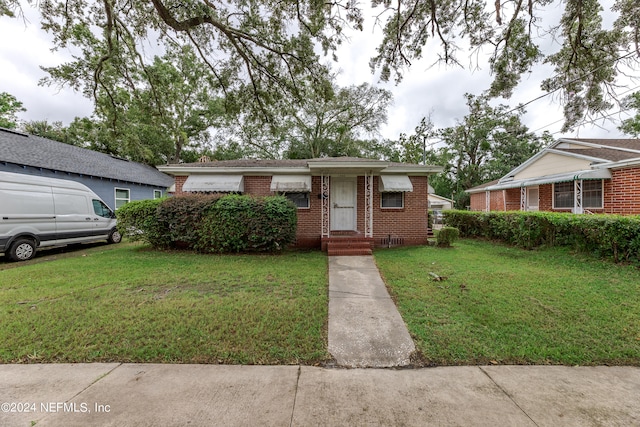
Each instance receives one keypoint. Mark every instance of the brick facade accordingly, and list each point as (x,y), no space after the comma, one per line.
(406,225)
(478,202)
(621,195)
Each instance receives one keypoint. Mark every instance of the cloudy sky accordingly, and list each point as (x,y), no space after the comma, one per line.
(437,90)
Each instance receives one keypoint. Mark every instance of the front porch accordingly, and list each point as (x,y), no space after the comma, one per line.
(347,243)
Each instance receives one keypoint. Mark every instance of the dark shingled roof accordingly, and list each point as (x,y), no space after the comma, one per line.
(30,150)
(633,144)
(612,150)
(246,163)
(608,154)
(271,163)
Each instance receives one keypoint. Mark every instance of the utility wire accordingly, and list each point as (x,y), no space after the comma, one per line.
(586,122)
(572,81)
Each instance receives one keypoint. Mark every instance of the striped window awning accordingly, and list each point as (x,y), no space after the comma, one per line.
(214,183)
(394,183)
(291,183)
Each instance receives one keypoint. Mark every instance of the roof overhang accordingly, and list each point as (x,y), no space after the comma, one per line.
(291,183)
(214,183)
(619,165)
(394,183)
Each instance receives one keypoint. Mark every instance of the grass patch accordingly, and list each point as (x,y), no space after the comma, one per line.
(500,304)
(128,303)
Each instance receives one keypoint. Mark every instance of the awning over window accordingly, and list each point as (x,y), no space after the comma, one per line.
(291,183)
(214,183)
(394,183)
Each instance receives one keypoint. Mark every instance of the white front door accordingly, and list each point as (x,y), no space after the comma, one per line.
(533,198)
(343,203)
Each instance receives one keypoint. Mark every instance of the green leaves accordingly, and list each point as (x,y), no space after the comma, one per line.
(609,236)
(232,223)
(9,107)
(631,126)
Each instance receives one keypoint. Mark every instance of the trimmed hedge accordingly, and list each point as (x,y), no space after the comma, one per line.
(230,223)
(610,236)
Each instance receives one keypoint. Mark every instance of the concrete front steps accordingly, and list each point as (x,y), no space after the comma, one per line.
(347,244)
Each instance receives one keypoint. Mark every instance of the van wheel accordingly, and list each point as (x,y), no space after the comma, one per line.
(22,250)
(115,236)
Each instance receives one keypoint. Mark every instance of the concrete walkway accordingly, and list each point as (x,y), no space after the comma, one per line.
(213,395)
(365,328)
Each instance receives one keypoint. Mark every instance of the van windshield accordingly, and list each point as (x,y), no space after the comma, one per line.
(101,209)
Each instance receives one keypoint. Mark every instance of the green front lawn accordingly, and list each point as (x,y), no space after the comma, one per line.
(130,304)
(505,305)
(495,304)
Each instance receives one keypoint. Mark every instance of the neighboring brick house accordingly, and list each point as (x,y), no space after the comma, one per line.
(571,175)
(117,181)
(343,202)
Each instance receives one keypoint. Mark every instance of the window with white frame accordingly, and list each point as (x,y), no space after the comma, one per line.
(592,193)
(157,194)
(392,199)
(123,196)
(563,195)
(300,199)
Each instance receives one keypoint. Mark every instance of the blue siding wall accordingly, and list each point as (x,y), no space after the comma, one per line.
(105,188)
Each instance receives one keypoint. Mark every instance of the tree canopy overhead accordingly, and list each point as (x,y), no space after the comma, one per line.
(263,51)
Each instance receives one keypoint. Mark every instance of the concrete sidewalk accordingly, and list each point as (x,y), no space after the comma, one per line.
(365,327)
(216,395)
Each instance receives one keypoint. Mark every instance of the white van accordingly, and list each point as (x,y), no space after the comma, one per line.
(38,211)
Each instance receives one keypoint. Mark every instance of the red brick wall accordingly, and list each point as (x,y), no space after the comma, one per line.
(496,202)
(622,192)
(258,185)
(310,220)
(512,199)
(179,183)
(408,223)
(478,202)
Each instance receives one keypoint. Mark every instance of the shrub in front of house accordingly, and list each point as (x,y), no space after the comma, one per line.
(232,223)
(138,220)
(182,217)
(447,236)
(244,223)
(610,236)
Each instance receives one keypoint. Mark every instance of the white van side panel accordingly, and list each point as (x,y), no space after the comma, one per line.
(73,218)
(27,209)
